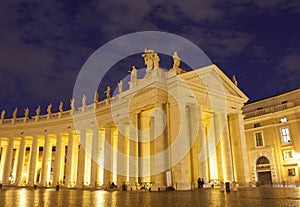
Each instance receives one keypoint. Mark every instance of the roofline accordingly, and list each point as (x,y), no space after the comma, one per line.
(272,97)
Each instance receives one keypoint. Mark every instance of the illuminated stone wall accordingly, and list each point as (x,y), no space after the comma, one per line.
(271,117)
(127,139)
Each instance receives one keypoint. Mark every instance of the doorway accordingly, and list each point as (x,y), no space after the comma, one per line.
(263,169)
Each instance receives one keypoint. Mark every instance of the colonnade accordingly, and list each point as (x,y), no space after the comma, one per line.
(113,153)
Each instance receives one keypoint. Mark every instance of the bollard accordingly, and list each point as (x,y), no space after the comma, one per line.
(234,186)
(159,189)
(57,187)
(149,189)
(227,184)
(222,186)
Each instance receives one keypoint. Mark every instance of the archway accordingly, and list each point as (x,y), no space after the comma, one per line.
(263,170)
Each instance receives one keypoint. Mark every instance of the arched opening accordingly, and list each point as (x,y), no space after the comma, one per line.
(263,170)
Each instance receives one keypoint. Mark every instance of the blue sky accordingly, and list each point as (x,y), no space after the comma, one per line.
(43,44)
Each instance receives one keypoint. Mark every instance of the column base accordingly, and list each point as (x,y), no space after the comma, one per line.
(183,186)
(131,187)
(158,187)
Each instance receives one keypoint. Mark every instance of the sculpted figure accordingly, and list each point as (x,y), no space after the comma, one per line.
(2,114)
(156,60)
(72,104)
(133,76)
(83,100)
(234,80)
(96,97)
(107,92)
(176,60)
(148,59)
(38,110)
(49,108)
(26,112)
(60,106)
(120,85)
(14,115)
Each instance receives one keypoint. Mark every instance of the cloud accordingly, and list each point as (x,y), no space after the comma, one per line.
(273,7)
(288,71)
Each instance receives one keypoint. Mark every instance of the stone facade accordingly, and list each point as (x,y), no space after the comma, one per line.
(272,131)
(124,138)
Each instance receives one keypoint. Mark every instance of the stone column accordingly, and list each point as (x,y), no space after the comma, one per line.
(159,140)
(8,161)
(33,161)
(3,156)
(81,160)
(114,155)
(133,151)
(21,158)
(46,164)
(107,157)
(121,155)
(239,148)
(226,152)
(144,147)
(15,162)
(212,146)
(202,150)
(181,171)
(72,158)
(95,158)
(58,171)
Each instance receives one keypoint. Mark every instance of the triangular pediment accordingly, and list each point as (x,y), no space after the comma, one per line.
(213,75)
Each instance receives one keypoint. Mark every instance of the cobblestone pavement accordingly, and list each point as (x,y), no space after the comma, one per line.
(252,197)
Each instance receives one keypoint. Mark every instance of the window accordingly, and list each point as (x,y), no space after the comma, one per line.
(292,172)
(283,120)
(257,125)
(288,154)
(285,135)
(259,139)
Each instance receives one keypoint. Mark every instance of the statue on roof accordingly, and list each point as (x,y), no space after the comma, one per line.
(107,92)
(156,60)
(133,72)
(26,112)
(72,105)
(60,107)
(148,59)
(96,97)
(120,86)
(176,60)
(2,115)
(49,108)
(234,80)
(14,115)
(83,101)
(38,110)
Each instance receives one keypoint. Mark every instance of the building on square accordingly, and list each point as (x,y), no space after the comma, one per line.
(168,128)
(272,129)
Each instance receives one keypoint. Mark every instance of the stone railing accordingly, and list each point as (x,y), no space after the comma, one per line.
(54,116)
(272,109)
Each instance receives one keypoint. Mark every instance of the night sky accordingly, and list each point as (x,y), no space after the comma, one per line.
(43,44)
